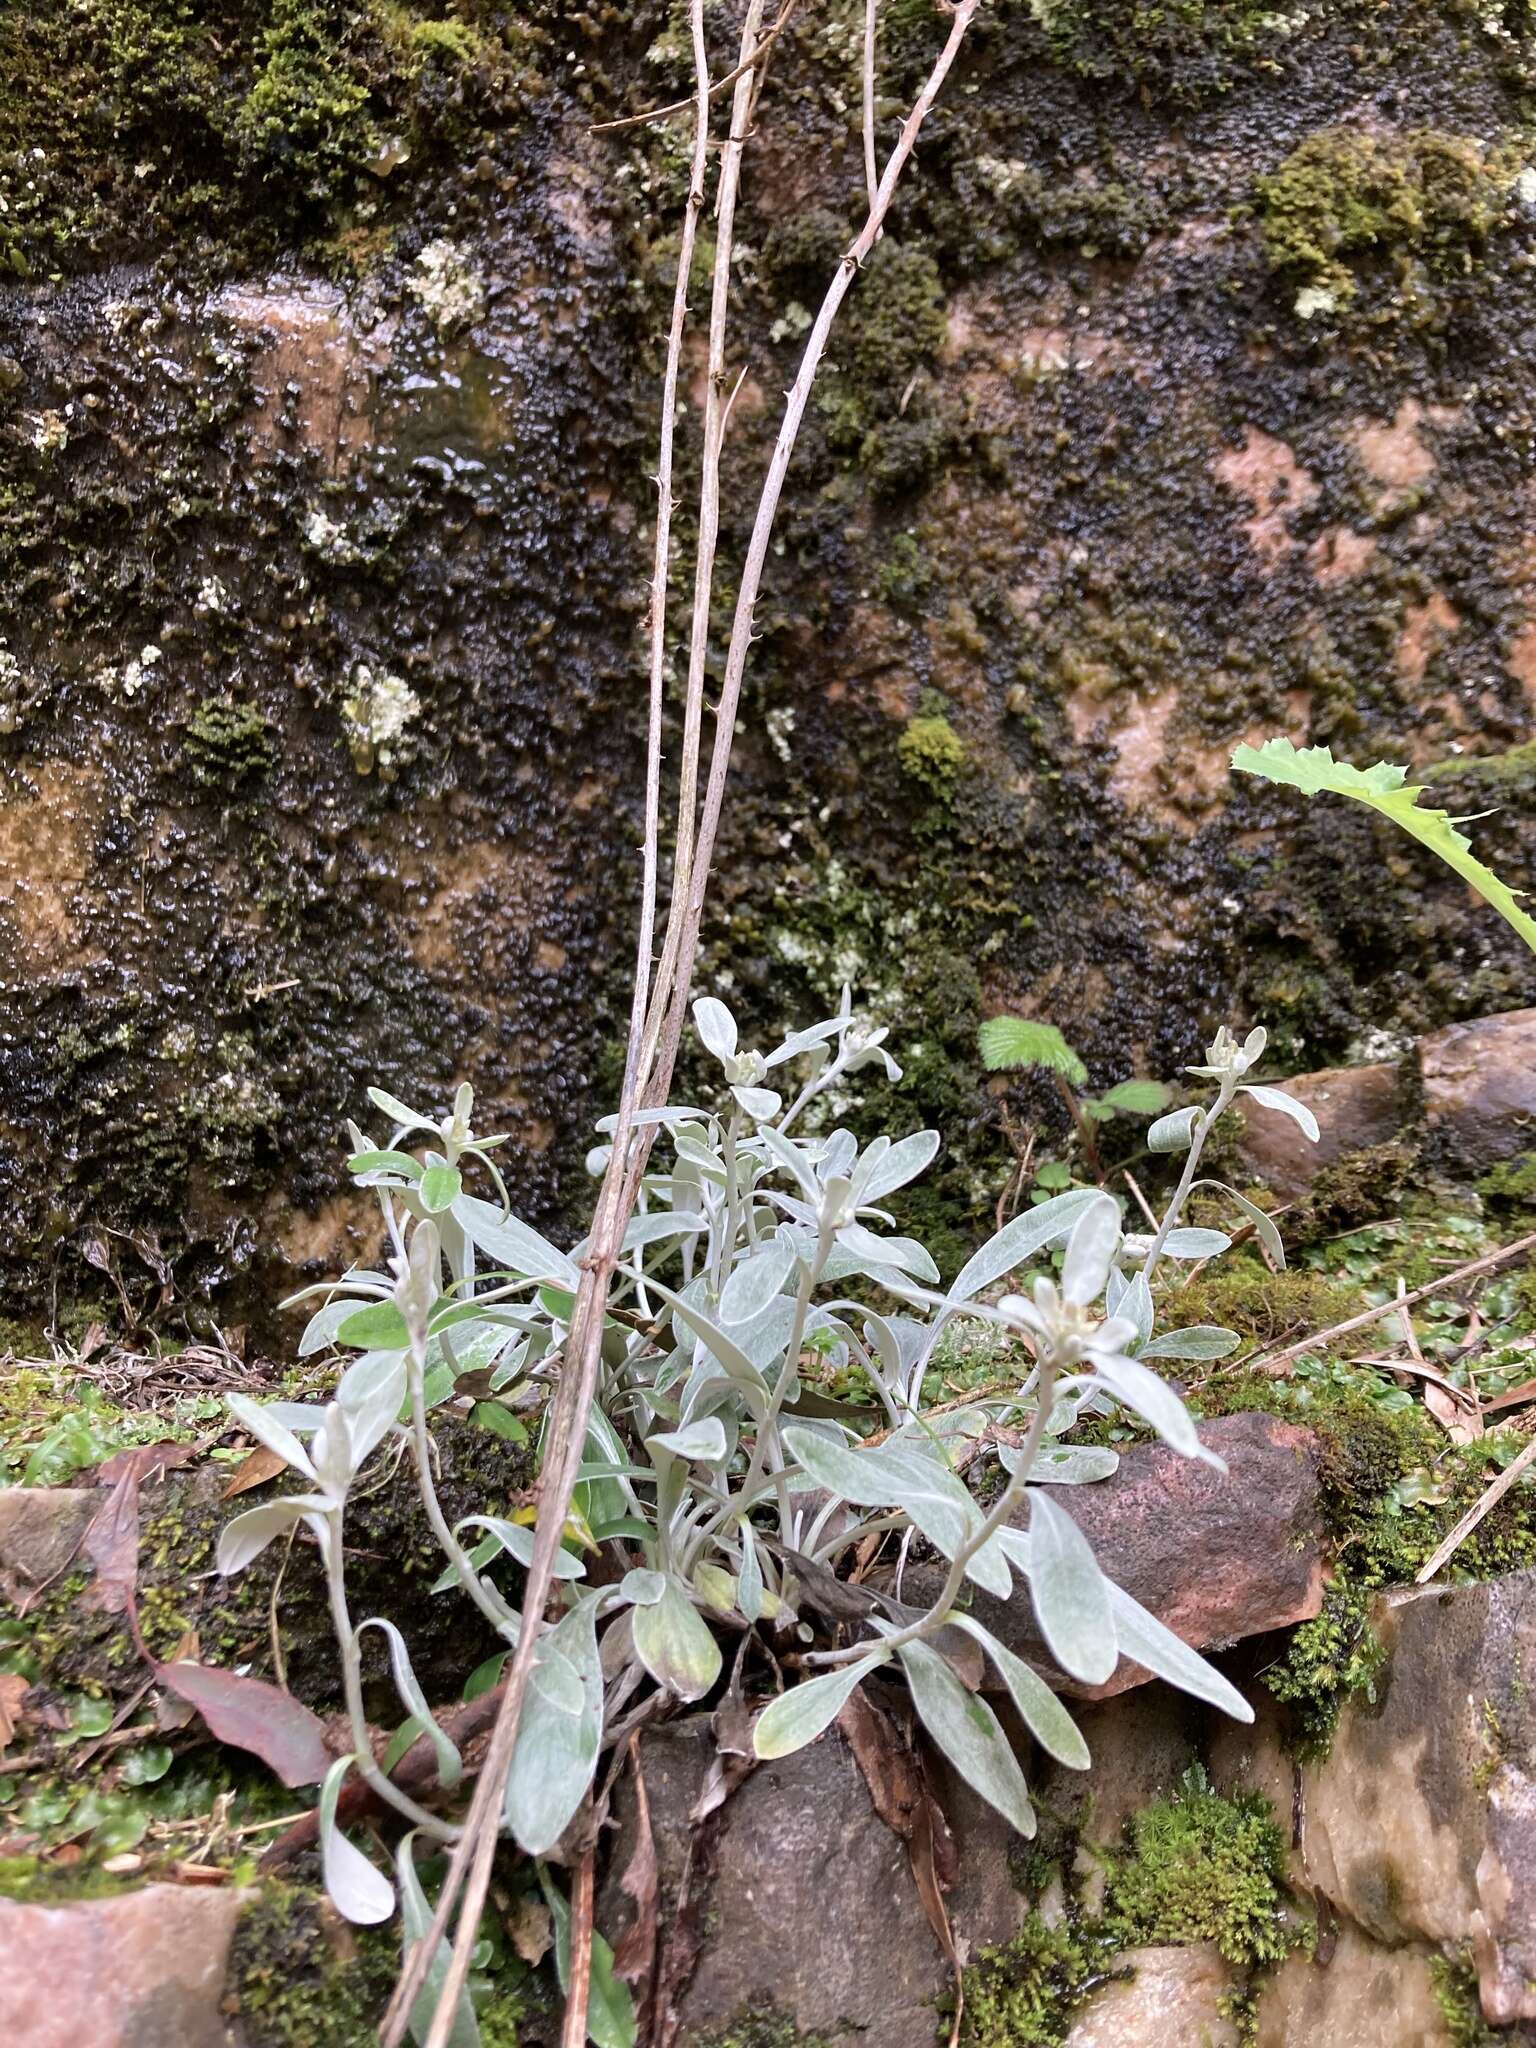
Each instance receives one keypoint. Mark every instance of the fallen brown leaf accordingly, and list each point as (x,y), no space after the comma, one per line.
(263,1464)
(634,1955)
(13,1690)
(531,1931)
(112,1540)
(249,1714)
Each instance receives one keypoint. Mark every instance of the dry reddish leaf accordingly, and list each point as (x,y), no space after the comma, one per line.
(263,1464)
(144,1462)
(634,1956)
(1516,1397)
(198,1873)
(1462,1425)
(13,1690)
(249,1714)
(890,1768)
(898,1789)
(112,1540)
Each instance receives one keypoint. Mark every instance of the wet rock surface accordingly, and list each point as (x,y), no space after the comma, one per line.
(1215,1556)
(1421,1821)
(325,449)
(145,1970)
(1168,1995)
(1357,1995)
(808,1901)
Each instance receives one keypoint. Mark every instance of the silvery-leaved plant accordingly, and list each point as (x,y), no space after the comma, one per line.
(722,1489)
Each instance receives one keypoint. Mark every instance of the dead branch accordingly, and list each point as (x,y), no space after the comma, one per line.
(1476,1512)
(758,57)
(470,1866)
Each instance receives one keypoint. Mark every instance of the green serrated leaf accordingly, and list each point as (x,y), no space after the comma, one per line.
(1009,1043)
(1136,1098)
(1385,789)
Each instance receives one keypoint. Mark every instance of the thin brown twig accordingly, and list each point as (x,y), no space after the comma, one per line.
(1279,1361)
(871,168)
(742,633)
(758,57)
(685,845)
(1476,1512)
(1141,1201)
(470,1866)
(573,2032)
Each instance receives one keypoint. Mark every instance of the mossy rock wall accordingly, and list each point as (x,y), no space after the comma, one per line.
(1186,400)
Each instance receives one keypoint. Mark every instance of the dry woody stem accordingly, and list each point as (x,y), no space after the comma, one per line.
(661,999)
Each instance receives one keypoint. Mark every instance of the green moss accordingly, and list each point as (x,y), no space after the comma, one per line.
(1023,1994)
(932,753)
(1262,1306)
(892,327)
(1201,1868)
(1184,51)
(306,117)
(1509,774)
(227,744)
(39,1881)
(761,2028)
(1511,1185)
(1456,1994)
(148,123)
(1360,1188)
(1195,1867)
(453,39)
(1100,216)
(904,575)
(296,1979)
(1419,205)
(54,1426)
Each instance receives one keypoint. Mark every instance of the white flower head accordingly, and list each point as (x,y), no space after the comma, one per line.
(1225,1056)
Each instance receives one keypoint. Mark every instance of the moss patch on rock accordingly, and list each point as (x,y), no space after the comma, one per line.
(1023,1994)
(299,1976)
(1418,206)
(1200,1867)
(932,753)
(761,2028)
(1194,1867)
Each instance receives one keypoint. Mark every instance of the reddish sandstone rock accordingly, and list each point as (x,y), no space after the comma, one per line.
(145,1970)
(1355,1107)
(1215,1556)
(1480,1088)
